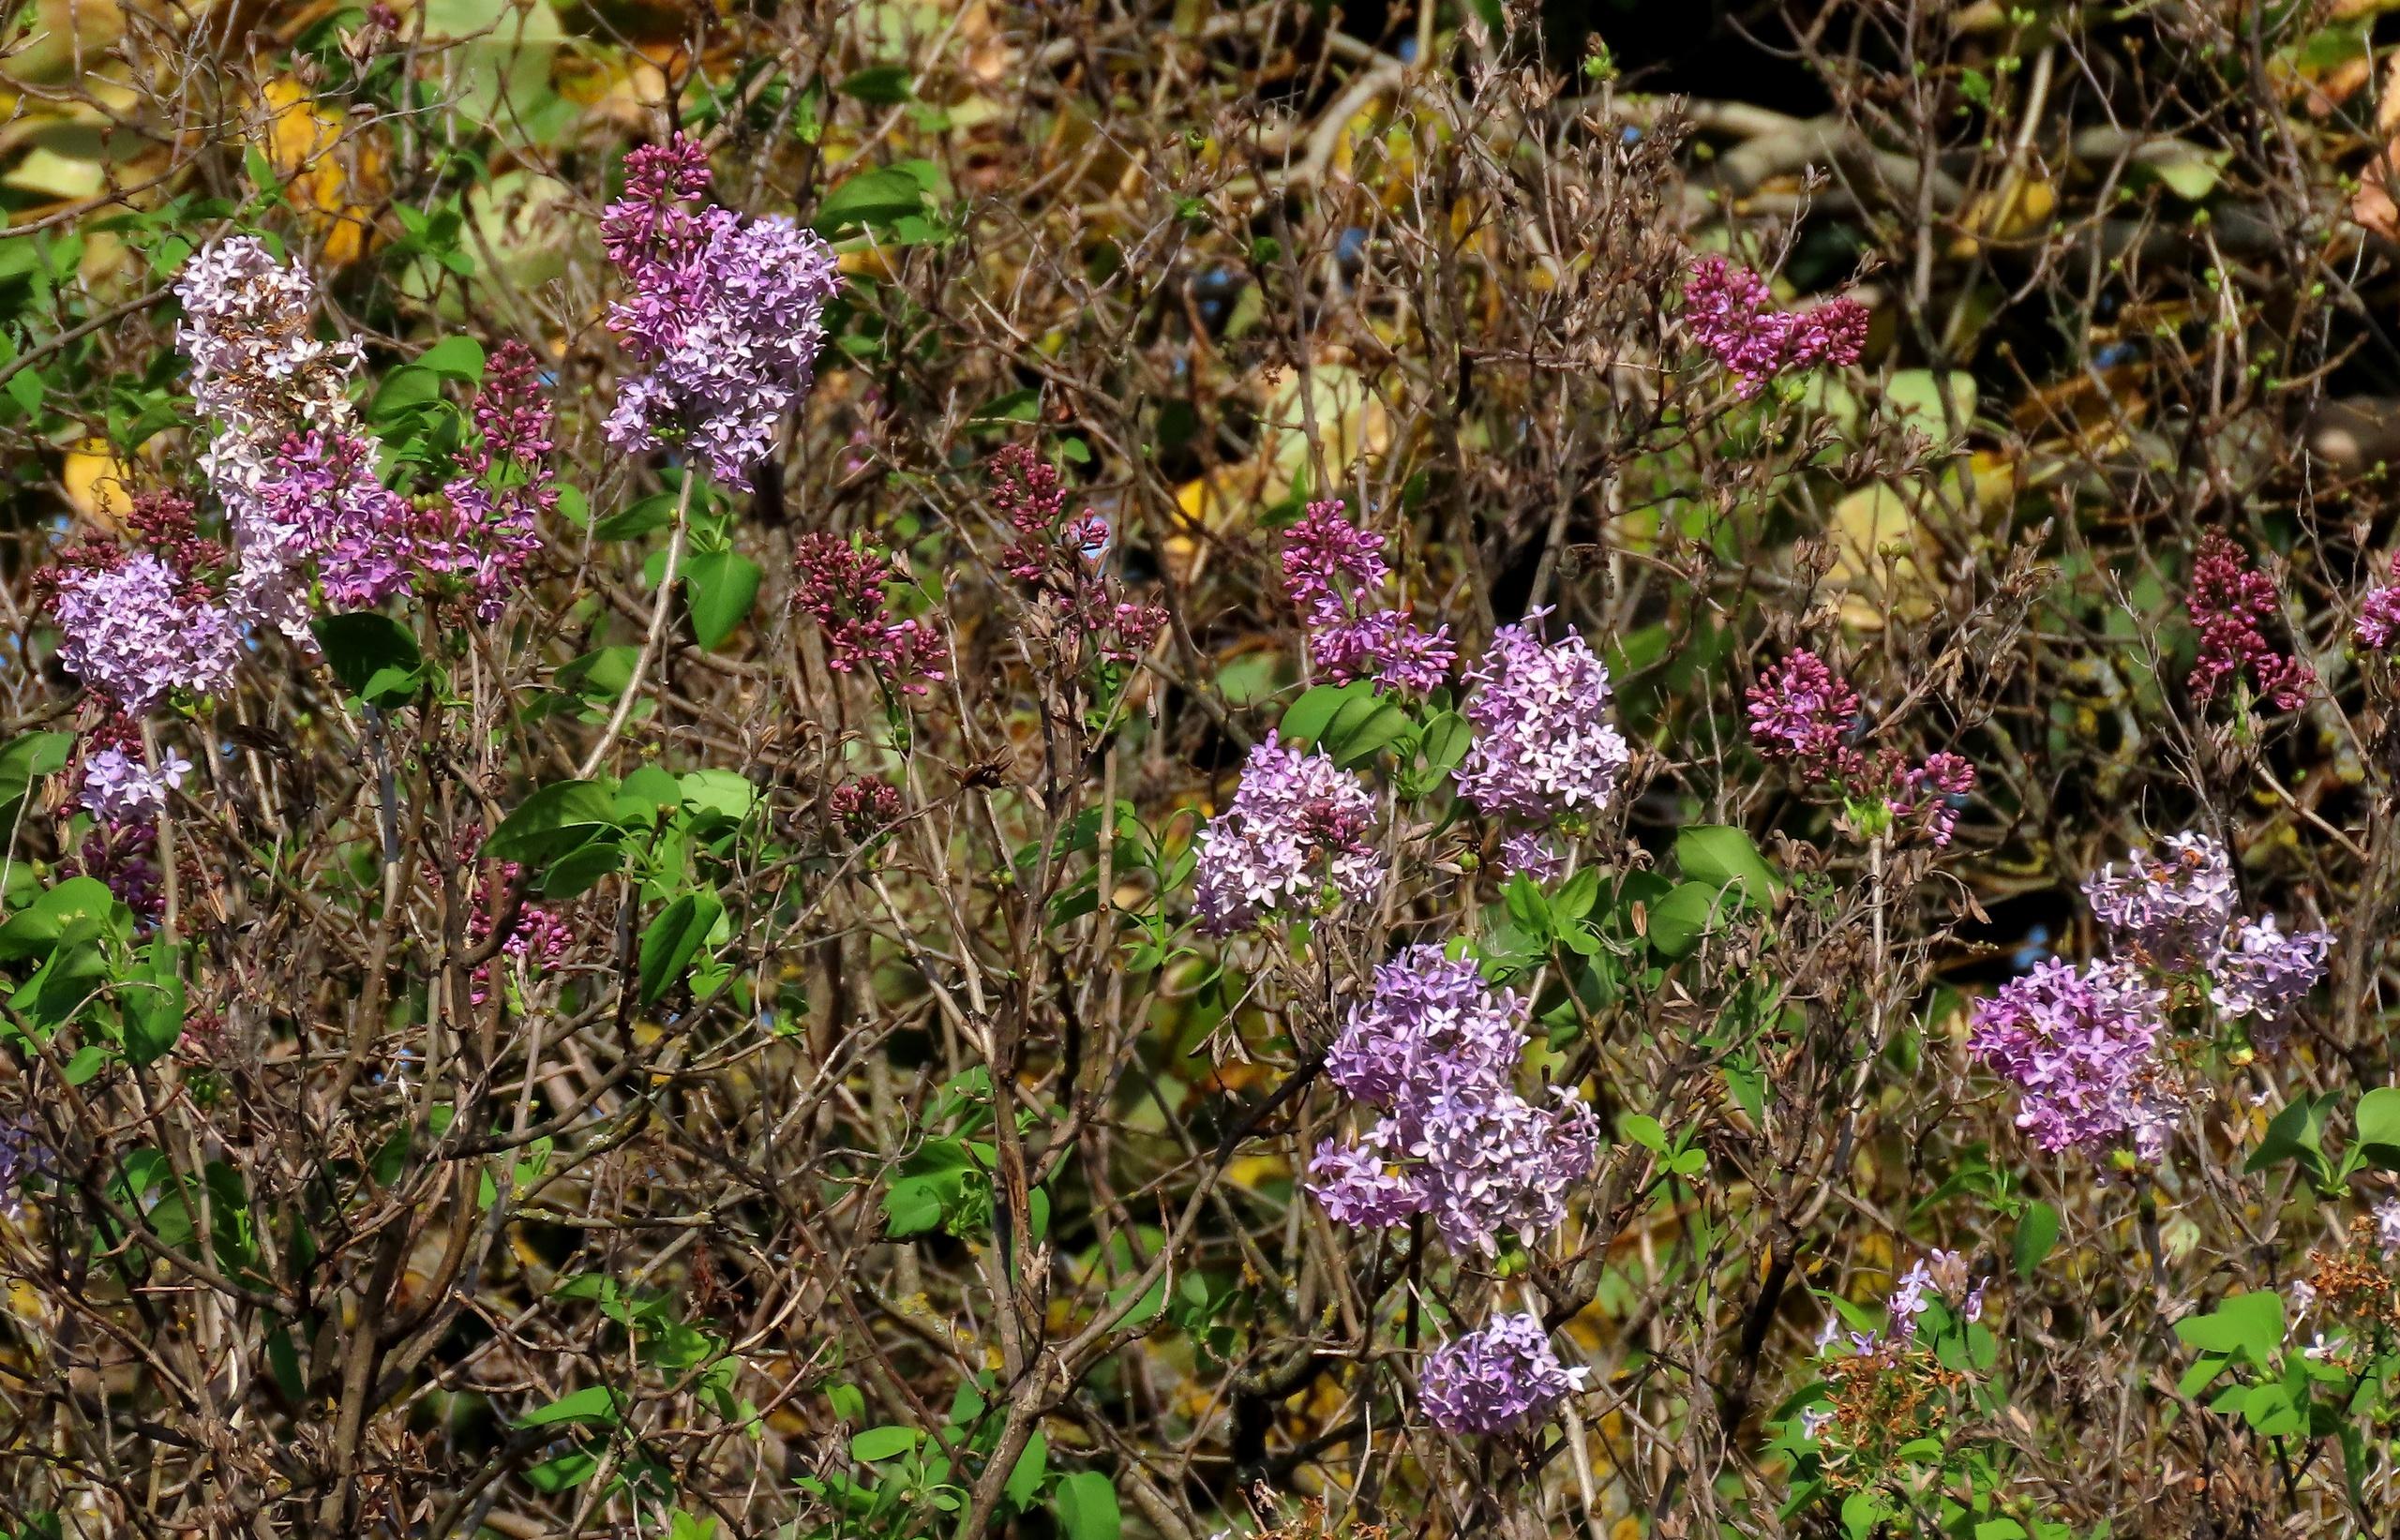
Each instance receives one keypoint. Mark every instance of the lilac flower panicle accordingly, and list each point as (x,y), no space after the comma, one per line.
(119,789)
(1497,1379)
(1802,710)
(22,1154)
(2078,1045)
(134,632)
(1330,569)
(1731,314)
(322,503)
(2170,909)
(1300,828)
(2265,972)
(1429,1023)
(1323,555)
(1935,790)
(1543,742)
(1534,853)
(2387,1228)
(2379,622)
(728,315)
(1387,647)
(259,373)
(1495,1164)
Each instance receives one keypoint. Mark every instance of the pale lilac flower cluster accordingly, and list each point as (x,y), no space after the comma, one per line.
(1731,312)
(1330,569)
(1935,790)
(2379,622)
(729,316)
(537,936)
(1534,853)
(119,789)
(1496,1379)
(2387,1227)
(1436,1051)
(1299,837)
(258,372)
(1940,1274)
(321,500)
(2078,1044)
(1543,742)
(133,631)
(2175,912)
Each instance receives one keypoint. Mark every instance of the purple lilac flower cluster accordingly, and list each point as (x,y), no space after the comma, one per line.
(1060,556)
(134,629)
(1496,1379)
(2379,622)
(21,1156)
(2077,1043)
(537,936)
(1730,313)
(1330,567)
(2175,913)
(1299,837)
(1545,750)
(120,788)
(1804,714)
(1436,1051)
(487,531)
(2227,602)
(840,585)
(728,315)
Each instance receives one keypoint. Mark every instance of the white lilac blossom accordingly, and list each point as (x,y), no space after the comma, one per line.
(1543,742)
(133,632)
(2078,1045)
(119,789)
(259,375)
(728,315)
(1297,837)
(1497,1379)
(1437,1053)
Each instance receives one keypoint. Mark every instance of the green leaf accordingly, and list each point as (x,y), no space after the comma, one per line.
(882,84)
(553,821)
(652,513)
(1086,1504)
(2251,1325)
(2378,1125)
(673,939)
(1306,719)
(572,1468)
(1025,1476)
(1723,856)
(1678,920)
(874,198)
(1447,739)
(404,389)
(454,358)
(27,759)
(2297,1133)
(598,1404)
(913,1206)
(723,587)
(718,793)
(154,1009)
(2037,1231)
(1017,405)
(883,1442)
(375,657)
(77,910)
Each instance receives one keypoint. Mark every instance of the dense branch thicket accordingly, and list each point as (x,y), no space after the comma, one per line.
(1165,771)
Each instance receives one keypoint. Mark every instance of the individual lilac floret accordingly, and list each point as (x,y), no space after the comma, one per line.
(2078,1045)
(1729,312)
(133,632)
(728,316)
(2378,622)
(1330,569)
(1495,1380)
(1543,742)
(1430,1025)
(2169,909)
(1299,832)
(120,788)
(2387,1227)
(2265,972)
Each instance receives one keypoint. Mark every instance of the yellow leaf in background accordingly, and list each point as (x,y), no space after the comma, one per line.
(2028,207)
(53,175)
(1252,1171)
(334,178)
(97,483)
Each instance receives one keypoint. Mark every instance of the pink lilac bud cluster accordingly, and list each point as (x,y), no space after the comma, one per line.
(1298,838)
(840,585)
(1544,747)
(728,315)
(2379,622)
(120,855)
(1495,1380)
(2175,913)
(1331,568)
(537,936)
(2229,603)
(1804,714)
(1436,1052)
(862,809)
(1061,557)
(487,530)
(1730,313)
(2077,1043)
(133,628)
